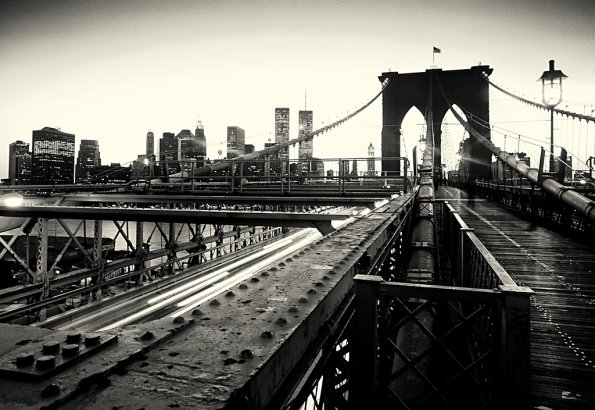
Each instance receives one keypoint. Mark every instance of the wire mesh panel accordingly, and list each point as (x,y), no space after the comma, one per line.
(439,352)
(328,385)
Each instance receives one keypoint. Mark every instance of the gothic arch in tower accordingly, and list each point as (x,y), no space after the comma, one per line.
(465,88)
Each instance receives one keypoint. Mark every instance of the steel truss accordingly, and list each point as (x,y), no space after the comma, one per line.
(102,267)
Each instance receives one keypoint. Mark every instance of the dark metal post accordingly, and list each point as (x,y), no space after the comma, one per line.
(171,256)
(552,160)
(541,162)
(405,176)
(364,355)
(281,176)
(232,172)
(139,264)
(41,272)
(515,347)
(242,163)
(465,266)
(288,176)
(98,255)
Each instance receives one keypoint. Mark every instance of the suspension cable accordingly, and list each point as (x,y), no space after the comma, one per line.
(570,197)
(525,138)
(539,105)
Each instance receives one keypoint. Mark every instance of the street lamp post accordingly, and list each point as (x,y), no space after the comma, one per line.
(551,89)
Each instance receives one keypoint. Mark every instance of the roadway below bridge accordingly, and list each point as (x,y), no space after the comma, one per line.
(559,268)
(184,295)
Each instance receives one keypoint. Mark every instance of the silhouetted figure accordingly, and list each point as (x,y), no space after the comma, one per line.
(471,192)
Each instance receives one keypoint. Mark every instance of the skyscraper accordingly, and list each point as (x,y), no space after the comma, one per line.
(190,152)
(371,162)
(185,149)
(282,133)
(150,146)
(236,138)
(53,157)
(306,147)
(19,163)
(168,153)
(202,140)
(88,158)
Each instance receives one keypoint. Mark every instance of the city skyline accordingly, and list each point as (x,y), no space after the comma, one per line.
(111,80)
(149,140)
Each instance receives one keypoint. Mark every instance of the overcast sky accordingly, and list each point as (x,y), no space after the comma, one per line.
(111,70)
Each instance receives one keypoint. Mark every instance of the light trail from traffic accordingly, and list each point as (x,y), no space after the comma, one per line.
(213,282)
(180,298)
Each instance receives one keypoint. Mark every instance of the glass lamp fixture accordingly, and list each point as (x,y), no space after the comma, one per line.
(551,94)
(551,86)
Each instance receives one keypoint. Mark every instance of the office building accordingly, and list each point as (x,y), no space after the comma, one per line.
(371,162)
(235,141)
(168,153)
(52,159)
(282,132)
(190,150)
(202,140)
(19,163)
(88,158)
(150,146)
(306,147)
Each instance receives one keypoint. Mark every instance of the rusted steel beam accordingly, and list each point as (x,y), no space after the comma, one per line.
(300,220)
(319,200)
(254,338)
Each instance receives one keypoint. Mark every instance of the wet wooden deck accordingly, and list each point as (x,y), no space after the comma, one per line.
(561,271)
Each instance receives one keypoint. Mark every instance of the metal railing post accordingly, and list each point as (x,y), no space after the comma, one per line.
(241,175)
(465,264)
(515,347)
(364,355)
(281,176)
(405,176)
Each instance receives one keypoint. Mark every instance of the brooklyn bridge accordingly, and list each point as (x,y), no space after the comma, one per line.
(402,287)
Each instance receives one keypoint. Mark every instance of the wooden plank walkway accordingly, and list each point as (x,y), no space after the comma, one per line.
(561,271)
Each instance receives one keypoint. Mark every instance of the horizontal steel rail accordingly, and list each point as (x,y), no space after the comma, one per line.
(222,200)
(258,218)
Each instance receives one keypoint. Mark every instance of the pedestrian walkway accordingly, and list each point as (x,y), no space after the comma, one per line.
(560,270)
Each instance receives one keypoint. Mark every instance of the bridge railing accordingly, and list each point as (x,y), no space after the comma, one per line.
(438,346)
(519,193)
(341,175)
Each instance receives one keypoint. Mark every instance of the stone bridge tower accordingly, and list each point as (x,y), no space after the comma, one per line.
(466,88)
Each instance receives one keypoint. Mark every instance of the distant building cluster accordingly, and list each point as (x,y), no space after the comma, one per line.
(50,158)
(236,139)
(177,153)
